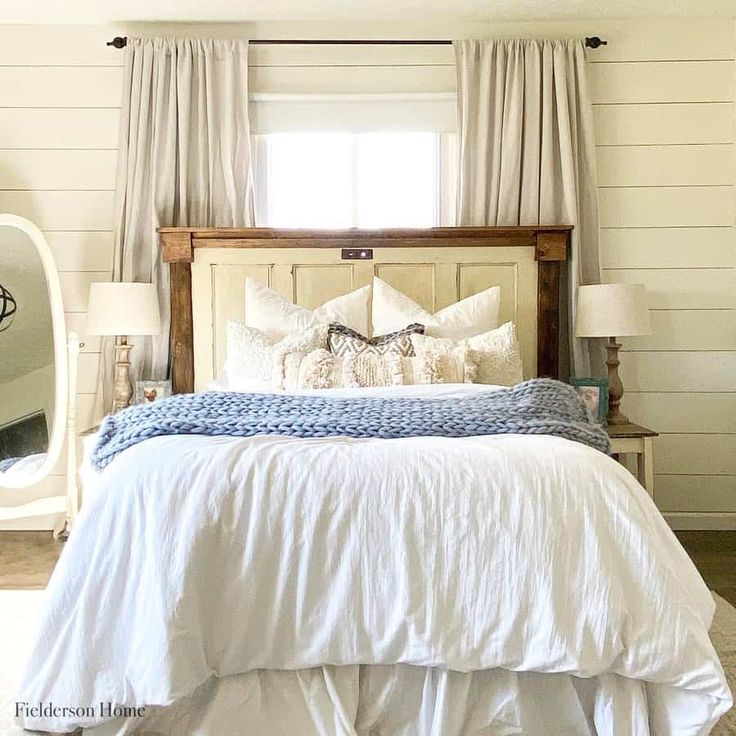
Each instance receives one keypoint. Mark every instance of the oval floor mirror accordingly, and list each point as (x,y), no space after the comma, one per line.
(33,358)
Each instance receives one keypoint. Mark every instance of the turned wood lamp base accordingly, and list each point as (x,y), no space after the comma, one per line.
(615,387)
(123,389)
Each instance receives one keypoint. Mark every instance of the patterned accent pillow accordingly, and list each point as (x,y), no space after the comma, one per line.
(491,358)
(341,340)
(255,360)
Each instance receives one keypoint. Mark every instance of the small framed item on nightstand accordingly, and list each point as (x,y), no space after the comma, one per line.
(146,392)
(593,393)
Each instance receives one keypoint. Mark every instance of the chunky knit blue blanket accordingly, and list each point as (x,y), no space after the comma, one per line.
(539,406)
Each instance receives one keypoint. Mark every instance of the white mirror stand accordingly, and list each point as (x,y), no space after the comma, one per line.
(72,483)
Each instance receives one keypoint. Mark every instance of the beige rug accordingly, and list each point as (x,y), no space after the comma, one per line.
(19,610)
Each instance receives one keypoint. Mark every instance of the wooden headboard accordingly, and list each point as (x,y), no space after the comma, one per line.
(435,267)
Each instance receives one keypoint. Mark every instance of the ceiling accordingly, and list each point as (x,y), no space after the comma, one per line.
(112,11)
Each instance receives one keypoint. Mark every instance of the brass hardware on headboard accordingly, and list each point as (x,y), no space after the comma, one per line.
(357,254)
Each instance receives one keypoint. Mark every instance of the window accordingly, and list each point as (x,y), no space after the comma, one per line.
(343,180)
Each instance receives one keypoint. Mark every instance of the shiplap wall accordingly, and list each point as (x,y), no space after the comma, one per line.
(663,97)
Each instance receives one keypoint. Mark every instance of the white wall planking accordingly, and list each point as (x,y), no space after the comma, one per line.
(87,408)
(664,124)
(69,169)
(50,46)
(679,371)
(669,81)
(81,251)
(653,247)
(62,128)
(700,454)
(60,86)
(88,366)
(666,206)
(75,288)
(683,165)
(61,210)
(700,493)
(682,413)
(681,288)
(687,329)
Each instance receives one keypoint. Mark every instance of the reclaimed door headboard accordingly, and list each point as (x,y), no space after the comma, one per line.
(436,267)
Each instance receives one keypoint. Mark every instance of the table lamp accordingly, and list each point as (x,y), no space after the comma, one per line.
(611,311)
(121,309)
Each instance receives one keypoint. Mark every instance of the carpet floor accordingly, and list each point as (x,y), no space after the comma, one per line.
(20,609)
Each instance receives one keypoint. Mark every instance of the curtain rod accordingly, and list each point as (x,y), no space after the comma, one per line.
(119,42)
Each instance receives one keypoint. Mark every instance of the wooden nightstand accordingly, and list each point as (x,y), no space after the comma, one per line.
(635,440)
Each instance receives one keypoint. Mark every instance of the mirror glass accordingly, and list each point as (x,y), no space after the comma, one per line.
(27,358)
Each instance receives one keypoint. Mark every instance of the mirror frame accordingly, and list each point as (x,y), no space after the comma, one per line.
(61,367)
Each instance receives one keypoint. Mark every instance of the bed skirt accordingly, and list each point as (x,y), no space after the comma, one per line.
(398,700)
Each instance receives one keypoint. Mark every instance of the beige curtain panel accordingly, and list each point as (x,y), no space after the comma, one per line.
(527,155)
(184,159)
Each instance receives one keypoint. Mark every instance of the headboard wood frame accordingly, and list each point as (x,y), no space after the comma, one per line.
(180,246)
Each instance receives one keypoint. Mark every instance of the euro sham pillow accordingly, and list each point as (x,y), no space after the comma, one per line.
(255,360)
(492,357)
(474,315)
(266,310)
(341,340)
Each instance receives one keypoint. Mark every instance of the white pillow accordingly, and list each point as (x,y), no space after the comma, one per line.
(393,311)
(255,360)
(268,311)
(491,358)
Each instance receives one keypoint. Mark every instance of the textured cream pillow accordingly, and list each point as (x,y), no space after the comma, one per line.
(492,357)
(393,311)
(438,367)
(255,360)
(323,369)
(268,311)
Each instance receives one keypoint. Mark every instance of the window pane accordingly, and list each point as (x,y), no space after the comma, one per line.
(340,180)
(309,180)
(397,180)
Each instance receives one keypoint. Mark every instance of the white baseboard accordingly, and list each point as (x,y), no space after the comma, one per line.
(681,521)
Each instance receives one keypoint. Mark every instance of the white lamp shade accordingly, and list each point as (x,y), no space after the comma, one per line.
(120,308)
(612,310)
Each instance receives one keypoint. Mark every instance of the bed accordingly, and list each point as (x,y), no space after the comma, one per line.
(505,582)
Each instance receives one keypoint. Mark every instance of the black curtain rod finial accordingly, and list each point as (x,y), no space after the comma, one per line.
(593,42)
(118,42)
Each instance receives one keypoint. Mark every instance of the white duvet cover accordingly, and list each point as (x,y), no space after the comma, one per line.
(254,560)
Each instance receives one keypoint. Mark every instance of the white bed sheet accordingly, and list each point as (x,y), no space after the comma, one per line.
(204,557)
